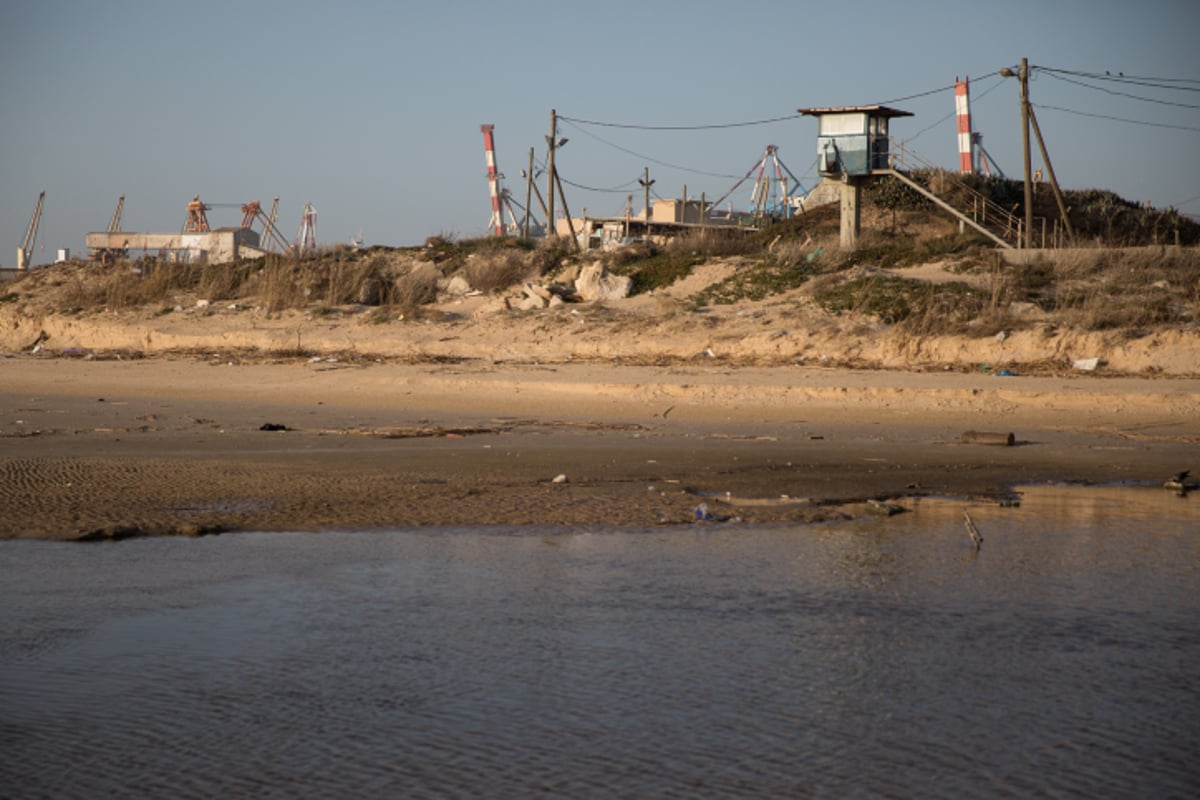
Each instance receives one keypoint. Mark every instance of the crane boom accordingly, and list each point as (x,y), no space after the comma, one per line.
(25,251)
(114,225)
(252,212)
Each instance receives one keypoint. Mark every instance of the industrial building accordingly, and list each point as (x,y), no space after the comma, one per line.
(215,247)
(197,242)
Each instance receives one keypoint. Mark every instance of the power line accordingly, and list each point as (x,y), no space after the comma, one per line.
(648,158)
(1134,80)
(1119,119)
(914,96)
(1122,94)
(615,190)
(999,82)
(632,126)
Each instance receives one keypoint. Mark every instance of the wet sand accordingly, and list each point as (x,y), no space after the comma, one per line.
(100,449)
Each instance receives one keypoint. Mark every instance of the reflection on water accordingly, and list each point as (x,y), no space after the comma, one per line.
(880,657)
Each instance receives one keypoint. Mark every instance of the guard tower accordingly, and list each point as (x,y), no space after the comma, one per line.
(853,146)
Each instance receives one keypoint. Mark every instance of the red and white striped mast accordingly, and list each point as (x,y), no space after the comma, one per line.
(966,142)
(489,145)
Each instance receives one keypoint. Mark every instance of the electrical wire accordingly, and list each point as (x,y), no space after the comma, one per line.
(615,190)
(648,158)
(1122,94)
(631,126)
(914,96)
(1134,80)
(999,82)
(1119,119)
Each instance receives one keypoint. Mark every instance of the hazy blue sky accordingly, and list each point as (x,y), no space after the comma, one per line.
(371,110)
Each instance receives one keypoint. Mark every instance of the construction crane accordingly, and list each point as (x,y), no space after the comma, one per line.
(25,251)
(197,217)
(271,236)
(273,215)
(107,255)
(114,225)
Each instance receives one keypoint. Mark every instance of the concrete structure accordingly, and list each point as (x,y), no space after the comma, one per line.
(853,146)
(673,210)
(215,247)
(668,218)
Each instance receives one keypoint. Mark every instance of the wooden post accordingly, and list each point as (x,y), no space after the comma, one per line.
(986,437)
(1058,198)
(528,196)
(566,211)
(646,182)
(1024,75)
(551,228)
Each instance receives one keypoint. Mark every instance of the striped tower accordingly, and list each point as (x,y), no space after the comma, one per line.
(496,223)
(962,103)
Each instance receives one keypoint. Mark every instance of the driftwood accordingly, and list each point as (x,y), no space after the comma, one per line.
(976,537)
(985,437)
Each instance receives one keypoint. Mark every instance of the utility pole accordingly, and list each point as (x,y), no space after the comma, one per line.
(1025,145)
(1023,76)
(528,196)
(551,228)
(1058,198)
(566,211)
(646,184)
(1028,118)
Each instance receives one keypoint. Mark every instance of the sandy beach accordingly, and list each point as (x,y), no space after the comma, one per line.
(169,445)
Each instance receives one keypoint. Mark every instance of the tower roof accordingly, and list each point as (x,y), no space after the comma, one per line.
(875,111)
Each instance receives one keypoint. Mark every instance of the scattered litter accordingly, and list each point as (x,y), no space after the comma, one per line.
(1005,373)
(560,478)
(702,513)
(1001,336)
(314,359)
(201,304)
(1087,364)
(274,426)
(1178,483)
(882,509)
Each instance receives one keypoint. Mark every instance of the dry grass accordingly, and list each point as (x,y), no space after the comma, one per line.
(1104,289)
(493,271)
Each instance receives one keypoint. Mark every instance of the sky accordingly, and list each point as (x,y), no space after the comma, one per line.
(371,110)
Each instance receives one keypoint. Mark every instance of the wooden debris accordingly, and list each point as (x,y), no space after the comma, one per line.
(986,437)
(976,537)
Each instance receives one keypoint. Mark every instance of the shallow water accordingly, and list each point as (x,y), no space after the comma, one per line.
(883,657)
